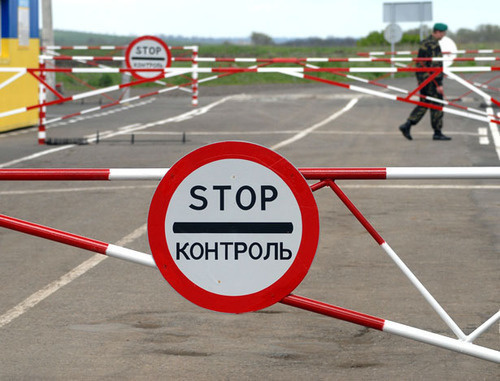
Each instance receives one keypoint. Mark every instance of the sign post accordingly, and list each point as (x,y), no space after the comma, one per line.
(393,33)
(233,227)
(148,52)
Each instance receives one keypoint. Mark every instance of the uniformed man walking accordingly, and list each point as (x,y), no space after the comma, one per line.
(429,48)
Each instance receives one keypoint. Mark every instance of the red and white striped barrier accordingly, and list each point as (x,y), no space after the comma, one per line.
(53,55)
(326,178)
(300,72)
(465,347)
(281,60)
(402,52)
(414,52)
(76,240)
(82,47)
(414,97)
(103,47)
(362,173)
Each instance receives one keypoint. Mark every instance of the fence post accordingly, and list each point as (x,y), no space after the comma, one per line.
(194,74)
(42,110)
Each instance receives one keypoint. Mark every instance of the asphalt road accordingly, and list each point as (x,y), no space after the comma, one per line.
(117,320)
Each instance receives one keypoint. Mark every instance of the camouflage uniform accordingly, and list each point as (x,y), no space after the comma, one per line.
(429,48)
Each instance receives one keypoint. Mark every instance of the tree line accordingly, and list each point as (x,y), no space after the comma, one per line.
(482,34)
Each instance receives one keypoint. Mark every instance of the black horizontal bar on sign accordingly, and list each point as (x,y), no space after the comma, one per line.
(234,227)
(149,58)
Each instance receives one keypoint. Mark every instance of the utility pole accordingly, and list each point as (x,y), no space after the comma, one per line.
(47,40)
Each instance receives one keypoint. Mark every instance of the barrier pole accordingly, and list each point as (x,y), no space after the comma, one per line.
(194,75)
(76,241)
(392,327)
(321,173)
(43,110)
(395,258)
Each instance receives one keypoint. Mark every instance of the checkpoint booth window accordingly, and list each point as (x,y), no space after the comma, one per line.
(19,24)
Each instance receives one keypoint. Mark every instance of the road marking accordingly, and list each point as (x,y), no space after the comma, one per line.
(35,156)
(67,278)
(284,132)
(307,131)
(178,118)
(79,189)
(483,136)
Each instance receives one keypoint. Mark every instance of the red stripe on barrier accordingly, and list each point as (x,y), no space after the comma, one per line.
(109,105)
(71,115)
(326,81)
(424,104)
(343,173)
(53,234)
(359,216)
(334,311)
(232,70)
(54,174)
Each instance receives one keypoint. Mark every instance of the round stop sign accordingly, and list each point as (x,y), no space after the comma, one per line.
(148,52)
(233,227)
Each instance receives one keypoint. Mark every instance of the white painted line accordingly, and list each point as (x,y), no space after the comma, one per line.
(67,278)
(482,131)
(35,155)
(78,189)
(484,140)
(307,131)
(283,132)
(178,118)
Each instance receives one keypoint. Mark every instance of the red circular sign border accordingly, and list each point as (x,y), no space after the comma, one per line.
(129,48)
(302,193)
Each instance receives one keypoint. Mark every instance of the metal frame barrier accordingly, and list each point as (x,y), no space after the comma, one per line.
(323,178)
(302,68)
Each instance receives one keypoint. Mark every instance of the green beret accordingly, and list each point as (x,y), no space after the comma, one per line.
(441,27)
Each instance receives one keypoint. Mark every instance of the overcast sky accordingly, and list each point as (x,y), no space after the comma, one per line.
(239,18)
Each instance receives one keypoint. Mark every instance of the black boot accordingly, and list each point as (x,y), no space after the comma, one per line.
(438,135)
(405,130)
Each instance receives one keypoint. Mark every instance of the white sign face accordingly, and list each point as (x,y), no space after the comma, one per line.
(449,49)
(148,52)
(393,33)
(230,199)
(233,227)
(408,11)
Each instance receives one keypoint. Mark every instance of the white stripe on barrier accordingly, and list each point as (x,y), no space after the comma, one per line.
(373,92)
(395,173)
(467,85)
(12,79)
(130,255)
(137,173)
(483,327)
(441,341)
(96,92)
(13,112)
(425,293)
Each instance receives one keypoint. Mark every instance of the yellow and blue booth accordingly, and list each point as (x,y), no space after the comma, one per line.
(20,46)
